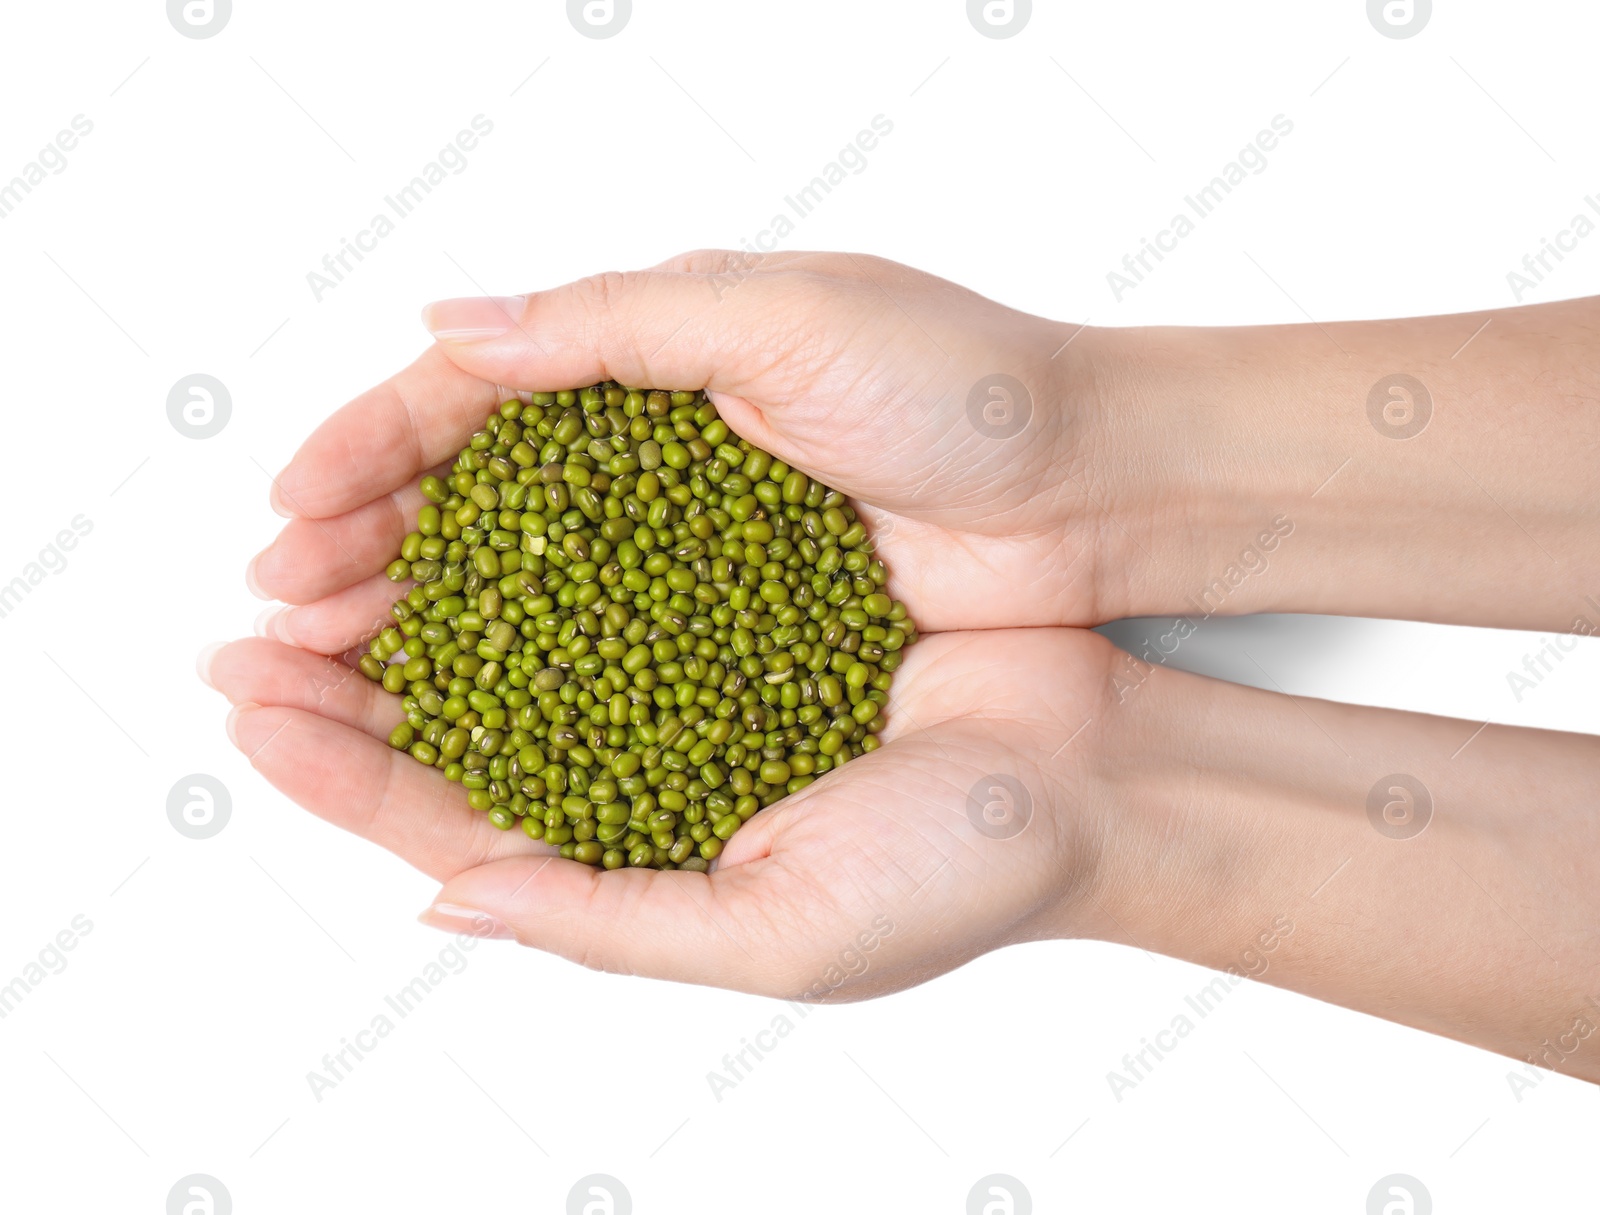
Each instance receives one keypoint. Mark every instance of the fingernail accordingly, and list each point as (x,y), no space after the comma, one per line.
(451,917)
(275,500)
(474,319)
(232,723)
(250,578)
(202,664)
(273,623)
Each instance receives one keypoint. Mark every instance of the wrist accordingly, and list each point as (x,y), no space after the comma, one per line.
(1452,905)
(1203,438)
(1111,467)
(1200,478)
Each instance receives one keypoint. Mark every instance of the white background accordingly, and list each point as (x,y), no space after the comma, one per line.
(218,973)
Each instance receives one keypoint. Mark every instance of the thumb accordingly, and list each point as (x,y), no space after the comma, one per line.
(690,927)
(659,328)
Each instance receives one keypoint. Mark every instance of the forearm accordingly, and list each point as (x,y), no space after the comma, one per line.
(1484,925)
(1489,513)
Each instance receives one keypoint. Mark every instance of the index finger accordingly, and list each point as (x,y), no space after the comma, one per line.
(384,438)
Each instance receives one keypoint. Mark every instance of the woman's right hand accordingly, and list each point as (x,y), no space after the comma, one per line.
(879,380)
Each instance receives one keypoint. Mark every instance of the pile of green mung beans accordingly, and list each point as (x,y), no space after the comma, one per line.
(630,630)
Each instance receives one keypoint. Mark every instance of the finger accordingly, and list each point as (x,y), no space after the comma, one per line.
(738,261)
(270,673)
(366,787)
(342,621)
(690,927)
(653,328)
(384,438)
(758,837)
(313,558)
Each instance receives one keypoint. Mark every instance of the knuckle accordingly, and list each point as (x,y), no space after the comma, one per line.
(591,955)
(600,293)
(608,315)
(706,261)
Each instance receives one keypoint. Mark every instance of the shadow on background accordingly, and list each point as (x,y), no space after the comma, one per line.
(1277,652)
(1506,676)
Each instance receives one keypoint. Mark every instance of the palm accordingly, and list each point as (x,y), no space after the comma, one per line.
(889,838)
(953,830)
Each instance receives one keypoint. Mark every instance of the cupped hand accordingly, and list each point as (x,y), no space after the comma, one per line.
(973,826)
(874,378)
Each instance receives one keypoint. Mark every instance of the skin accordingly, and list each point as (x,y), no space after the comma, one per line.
(1220,824)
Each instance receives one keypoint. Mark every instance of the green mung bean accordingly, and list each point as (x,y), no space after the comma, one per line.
(631,630)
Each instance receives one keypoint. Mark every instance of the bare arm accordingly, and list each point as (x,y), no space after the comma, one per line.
(1362,856)
(1439,468)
